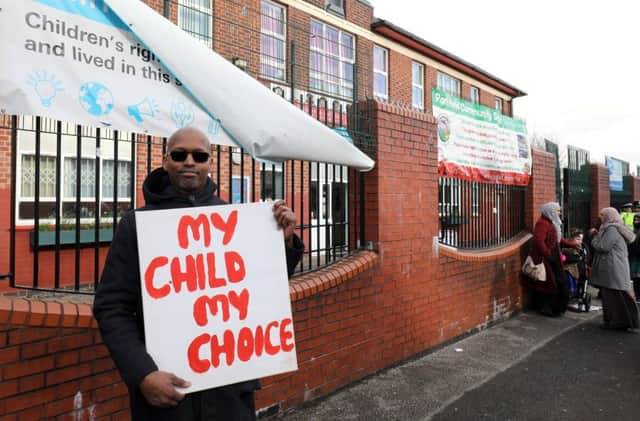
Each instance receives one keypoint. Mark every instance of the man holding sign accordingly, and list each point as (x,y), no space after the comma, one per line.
(182,182)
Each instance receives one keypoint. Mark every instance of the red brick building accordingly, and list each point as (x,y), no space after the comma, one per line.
(370,308)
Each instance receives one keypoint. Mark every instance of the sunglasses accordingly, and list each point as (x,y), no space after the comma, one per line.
(181,156)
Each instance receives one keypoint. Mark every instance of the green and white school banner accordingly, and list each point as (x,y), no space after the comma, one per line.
(77,61)
(478,143)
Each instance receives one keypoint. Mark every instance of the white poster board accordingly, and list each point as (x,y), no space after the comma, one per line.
(215,293)
(77,61)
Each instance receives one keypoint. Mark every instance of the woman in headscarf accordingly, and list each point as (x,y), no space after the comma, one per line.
(611,271)
(550,297)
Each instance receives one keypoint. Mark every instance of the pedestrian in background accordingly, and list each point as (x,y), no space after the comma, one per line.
(627,214)
(550,297)
(611,271)
(634,257)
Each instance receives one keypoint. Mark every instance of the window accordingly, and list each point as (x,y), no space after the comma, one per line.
(380,72)
(336,6)
(448,84)
(474,95)
(499,104)
(195,18)
(417,85)
(273,41)
(331,60)
(86,206)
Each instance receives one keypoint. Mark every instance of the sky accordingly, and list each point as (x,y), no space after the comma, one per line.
(578,62)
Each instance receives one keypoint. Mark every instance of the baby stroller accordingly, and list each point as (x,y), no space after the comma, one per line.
(578,295)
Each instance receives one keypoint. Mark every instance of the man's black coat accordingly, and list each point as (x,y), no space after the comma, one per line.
(118,310)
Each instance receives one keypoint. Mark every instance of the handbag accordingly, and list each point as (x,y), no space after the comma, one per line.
(535,272)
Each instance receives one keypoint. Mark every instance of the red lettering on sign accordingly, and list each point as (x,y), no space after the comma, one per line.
(188,276)
(269,347)
(197,364)
(227,347)
(286,335)
(221,301)
(198,272)
(235,266)
(214,281)
(244,345)
(228,226)
(188,222)
(154,292)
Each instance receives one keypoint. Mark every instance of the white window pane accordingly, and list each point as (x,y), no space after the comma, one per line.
(332,42)
(379,59)
(347,46)
(380,85)
(417,97)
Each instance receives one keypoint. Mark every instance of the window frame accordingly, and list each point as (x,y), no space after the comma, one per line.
(322,75)
(47,151)
(274,62)
(443,79)
(474,95)
(331,6)
(414,85)
(384,72)
(498,104)
(194,7)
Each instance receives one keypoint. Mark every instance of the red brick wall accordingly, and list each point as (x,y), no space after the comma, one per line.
(58,373)
(601,195)
(400,77)
(542,187)
(414,298)
(347,326)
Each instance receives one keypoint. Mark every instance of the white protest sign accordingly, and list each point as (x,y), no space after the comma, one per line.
(77,61)
(215,293)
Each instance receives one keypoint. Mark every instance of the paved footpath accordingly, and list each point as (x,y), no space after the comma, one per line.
(528,368)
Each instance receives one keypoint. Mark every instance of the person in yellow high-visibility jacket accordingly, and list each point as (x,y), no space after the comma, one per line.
(627,214)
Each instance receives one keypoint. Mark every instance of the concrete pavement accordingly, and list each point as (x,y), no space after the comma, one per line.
(529,367)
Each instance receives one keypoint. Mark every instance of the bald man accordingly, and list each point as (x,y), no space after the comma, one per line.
(182,181)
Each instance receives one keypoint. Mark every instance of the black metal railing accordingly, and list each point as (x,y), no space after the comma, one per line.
(577,191)
(62,227)
(72,184)
(478,216)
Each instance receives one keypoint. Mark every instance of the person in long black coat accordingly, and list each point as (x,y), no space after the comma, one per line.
(183,181)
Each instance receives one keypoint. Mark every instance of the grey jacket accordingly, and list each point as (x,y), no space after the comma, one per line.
(610,258)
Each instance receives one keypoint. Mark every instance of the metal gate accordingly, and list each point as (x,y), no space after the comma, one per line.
(577,191)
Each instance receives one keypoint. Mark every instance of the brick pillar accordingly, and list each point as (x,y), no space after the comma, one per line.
(402,189)
(542,187)
(601,195)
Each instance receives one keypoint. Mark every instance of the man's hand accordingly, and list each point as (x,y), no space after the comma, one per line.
(159,388)
(286,219)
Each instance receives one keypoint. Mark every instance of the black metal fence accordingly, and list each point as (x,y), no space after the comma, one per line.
(476,216)
(71,184)
(577,191)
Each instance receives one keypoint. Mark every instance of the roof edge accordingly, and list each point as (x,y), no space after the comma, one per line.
(402,36)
